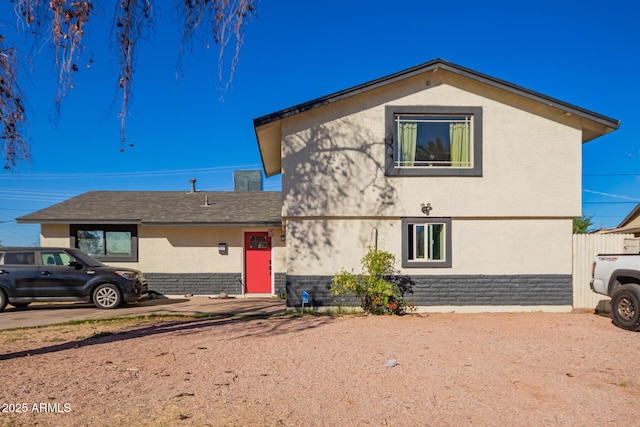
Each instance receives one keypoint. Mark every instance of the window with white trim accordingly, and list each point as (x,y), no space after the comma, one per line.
(426,242)
(434,141)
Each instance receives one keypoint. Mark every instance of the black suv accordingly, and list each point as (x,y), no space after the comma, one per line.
(63,274)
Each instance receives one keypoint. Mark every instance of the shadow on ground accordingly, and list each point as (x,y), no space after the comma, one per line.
(255,325)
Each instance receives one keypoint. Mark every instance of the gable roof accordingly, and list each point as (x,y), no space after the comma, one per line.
(224,208)
(268,130)
(631,217)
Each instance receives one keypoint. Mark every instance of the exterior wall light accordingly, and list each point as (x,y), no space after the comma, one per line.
(426,209)
(222,248)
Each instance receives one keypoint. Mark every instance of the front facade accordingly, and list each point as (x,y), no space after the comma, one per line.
(199,243)
(470,181)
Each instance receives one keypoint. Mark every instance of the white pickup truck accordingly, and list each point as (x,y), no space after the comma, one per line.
(618,276)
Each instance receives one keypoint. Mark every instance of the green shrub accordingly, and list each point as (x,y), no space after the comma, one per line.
(377,287)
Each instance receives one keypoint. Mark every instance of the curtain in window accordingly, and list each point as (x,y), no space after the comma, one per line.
(118,242)
(460,144)
(407,137)
(91,241)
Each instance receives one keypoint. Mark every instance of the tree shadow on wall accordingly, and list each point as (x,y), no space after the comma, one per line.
(405,283)
(333,170)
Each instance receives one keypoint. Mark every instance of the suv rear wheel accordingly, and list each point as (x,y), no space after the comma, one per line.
(107,296)
(625,307)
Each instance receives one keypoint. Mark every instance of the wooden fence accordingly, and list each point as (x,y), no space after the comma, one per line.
(585,248)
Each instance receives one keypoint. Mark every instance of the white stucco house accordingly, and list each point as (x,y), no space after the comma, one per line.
(471,181)
(185,242)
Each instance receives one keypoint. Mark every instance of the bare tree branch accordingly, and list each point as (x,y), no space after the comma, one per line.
(132,18)
(63,24)
(220,20)
(12,113)
(66,21)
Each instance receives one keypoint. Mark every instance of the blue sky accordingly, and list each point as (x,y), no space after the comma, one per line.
(586,53)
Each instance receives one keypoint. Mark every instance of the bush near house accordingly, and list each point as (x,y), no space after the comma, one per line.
(378,287)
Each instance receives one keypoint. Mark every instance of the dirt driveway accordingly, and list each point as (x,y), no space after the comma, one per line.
(418,370)
(41,314)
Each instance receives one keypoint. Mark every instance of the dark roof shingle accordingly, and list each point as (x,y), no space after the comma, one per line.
(164,208)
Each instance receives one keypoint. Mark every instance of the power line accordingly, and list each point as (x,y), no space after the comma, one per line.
(62,193)
(111,175)
(17,210)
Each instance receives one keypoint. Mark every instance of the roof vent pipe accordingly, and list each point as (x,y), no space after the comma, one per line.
(193,185)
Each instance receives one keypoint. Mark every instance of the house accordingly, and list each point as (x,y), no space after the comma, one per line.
(190,242)
(472,182)
(629,225)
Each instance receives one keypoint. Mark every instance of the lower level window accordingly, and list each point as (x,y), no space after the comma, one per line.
(426,242)
(107,242)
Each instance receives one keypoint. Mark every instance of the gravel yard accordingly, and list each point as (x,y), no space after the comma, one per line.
(415,370)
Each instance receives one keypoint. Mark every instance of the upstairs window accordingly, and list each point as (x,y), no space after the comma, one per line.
(434,141)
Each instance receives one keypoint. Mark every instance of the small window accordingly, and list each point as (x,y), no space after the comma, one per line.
(434,141)
(107,242)
(426,242)
(257,242)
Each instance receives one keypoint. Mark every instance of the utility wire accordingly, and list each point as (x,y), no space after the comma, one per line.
(111,175)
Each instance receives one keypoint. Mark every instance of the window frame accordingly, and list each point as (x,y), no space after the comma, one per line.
(391,111)
(130,228)
(406,262)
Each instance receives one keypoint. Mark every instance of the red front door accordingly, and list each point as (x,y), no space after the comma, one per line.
(257,262)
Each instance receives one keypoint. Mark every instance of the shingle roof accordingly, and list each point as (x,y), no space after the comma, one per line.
(164,208)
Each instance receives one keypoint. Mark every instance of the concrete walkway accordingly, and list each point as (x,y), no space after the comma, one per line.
(40,314)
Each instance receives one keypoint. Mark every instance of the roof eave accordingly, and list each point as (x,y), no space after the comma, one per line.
(629,217)
(215,224)
(430,66)
(269,136)
(270,146)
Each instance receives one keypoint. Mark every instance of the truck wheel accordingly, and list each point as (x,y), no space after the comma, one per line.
(107,296)
(3,300)
(625,307)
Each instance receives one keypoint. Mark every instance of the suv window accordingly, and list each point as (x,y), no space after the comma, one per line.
(56,258)
(18,258)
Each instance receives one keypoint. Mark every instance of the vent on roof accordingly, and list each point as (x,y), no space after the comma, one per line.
(193,185)
(247,180)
